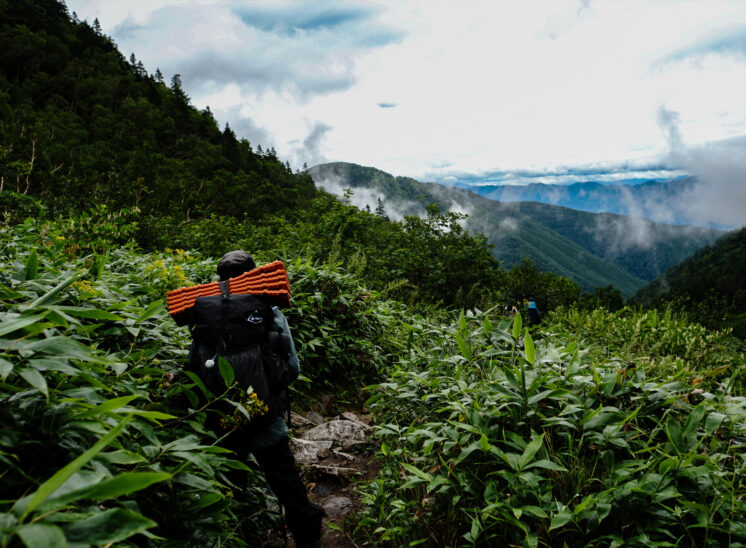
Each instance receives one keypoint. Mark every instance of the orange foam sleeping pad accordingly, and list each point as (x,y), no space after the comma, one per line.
(270,280)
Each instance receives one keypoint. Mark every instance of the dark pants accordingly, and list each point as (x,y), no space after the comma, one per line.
(302,516)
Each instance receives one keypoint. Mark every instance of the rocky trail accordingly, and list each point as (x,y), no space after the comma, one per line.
(334,454)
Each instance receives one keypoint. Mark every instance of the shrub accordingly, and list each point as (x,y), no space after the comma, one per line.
(489,439)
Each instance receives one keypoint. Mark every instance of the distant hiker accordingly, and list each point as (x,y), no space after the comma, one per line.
(532,312)
(255,339)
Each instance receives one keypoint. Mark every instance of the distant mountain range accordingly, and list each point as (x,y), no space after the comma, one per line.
(594,249)
(656,200)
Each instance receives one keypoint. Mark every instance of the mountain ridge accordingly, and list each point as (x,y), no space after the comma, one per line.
(593,249)
(662,201)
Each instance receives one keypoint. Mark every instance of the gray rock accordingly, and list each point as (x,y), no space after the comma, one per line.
(309,451)
(301,421)
(314,417)
(336,507)
(350,416)
(344,432)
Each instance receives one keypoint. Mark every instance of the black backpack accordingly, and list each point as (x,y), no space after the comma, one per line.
(241,329)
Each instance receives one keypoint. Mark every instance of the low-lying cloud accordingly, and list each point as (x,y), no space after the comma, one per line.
(610,174)
(719,197)
(369,198)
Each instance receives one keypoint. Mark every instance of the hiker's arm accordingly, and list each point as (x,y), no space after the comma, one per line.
(282,323)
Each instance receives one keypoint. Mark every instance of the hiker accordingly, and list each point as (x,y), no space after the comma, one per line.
(532,312)
(266,437)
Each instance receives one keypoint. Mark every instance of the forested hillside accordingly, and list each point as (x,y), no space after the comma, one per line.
(599,426)
(711,284)
(592,249)
(81,126)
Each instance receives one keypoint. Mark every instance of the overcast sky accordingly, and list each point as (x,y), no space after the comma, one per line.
(447,91)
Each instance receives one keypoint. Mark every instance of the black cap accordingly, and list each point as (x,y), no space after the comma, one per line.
(235,263)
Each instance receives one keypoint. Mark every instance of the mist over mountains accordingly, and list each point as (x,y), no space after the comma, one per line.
(593,249)
(655,200)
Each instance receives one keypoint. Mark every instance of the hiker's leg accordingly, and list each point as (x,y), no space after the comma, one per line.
(303,517)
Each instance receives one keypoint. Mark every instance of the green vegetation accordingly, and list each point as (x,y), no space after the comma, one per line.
(710,285)
(602,426)
(594,250)
(489,438)
(100,438)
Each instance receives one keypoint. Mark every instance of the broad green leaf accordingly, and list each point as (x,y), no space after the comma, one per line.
(18,323)
(39,535)
(198,382)
(713,422)
(123,484)
(226,371)
(534,511)
(487,327)
(693,420)
(546,464)
(35,379)
(530,351)
(8,294)
(108,527)
(89,313)
(150,415)
(530,451)
(484,443)
(121,457)
(208,500)
(476,528)
(107,406)
(517,325)
(560,518)
(155,308)
(5,368)
(52,484)
(673,430)
(58,318)
(416,471)
(61,345)
(463,346)
(32,265)
(59,287)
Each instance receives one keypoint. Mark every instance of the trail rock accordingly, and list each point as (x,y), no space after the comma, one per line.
(336,507)
(350,416)
(346,433)
(310,451)
(301,421)
(314,417)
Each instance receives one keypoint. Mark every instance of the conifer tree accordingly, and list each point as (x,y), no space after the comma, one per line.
(381,210)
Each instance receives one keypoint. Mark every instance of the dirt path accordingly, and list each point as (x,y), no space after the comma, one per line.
(334,454)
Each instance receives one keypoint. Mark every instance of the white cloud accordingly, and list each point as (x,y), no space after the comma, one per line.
(478,86)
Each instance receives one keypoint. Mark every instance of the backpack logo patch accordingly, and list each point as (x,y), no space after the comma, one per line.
(255,318)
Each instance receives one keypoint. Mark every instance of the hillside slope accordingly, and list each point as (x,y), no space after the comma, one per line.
(82,126)
(592,249)
(711,283)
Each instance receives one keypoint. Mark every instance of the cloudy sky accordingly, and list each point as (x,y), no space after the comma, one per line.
(555,91)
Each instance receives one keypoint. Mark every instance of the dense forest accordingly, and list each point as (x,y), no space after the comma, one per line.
(603,425)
